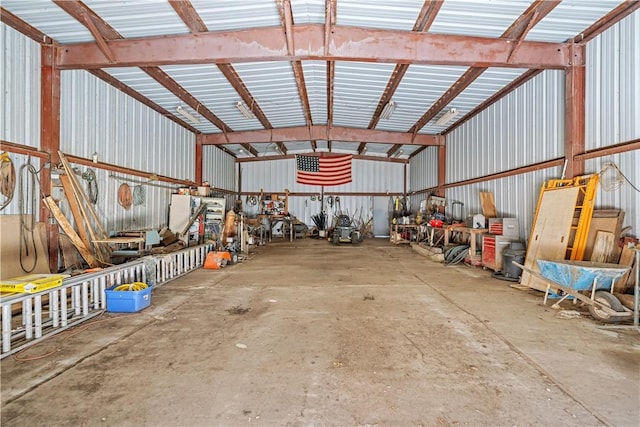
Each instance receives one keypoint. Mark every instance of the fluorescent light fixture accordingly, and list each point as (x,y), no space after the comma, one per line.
(245,110)
(447,117)
(187,115)
(388,110)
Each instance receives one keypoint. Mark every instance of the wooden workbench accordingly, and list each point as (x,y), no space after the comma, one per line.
(395,238)
(469,236)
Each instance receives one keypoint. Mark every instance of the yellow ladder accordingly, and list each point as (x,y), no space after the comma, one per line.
(588,185)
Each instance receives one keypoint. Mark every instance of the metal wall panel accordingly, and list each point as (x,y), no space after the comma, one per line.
(514,196)
(20,88)
(622,195)
(613,87)
(523,128)
(368,177)
(612,106)
(218,168)
(96,117)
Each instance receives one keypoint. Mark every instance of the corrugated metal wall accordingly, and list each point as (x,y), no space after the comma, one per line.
(97,118)
(20,89)
(423,173)
(20,80)
(368,177)
(525,127)
(613,109)
(220,170)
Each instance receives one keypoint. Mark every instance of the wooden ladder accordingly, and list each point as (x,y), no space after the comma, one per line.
(583,211)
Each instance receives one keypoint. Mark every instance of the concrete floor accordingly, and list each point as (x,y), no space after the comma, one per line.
(372,334)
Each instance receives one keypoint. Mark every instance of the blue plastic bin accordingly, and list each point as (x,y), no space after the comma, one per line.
(127,301)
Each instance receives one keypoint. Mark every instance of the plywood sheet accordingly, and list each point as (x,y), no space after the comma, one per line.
(550,233)
(488,205)
(10,249)
(604,220)
(604,247)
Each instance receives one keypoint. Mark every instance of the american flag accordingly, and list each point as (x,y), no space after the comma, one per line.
(330,170)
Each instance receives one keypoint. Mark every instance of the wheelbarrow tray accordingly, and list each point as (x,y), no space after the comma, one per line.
(582,275)
(570,289)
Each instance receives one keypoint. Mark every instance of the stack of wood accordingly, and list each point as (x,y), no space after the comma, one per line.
(88,227)
(605,243)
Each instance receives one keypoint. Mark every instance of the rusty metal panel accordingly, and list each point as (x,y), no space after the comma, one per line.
(525,127)
(20,88)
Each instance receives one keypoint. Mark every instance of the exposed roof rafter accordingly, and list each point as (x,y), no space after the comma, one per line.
(347,44)
(321,132)
(19,25)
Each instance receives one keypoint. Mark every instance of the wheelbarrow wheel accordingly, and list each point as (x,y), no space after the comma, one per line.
(610,301)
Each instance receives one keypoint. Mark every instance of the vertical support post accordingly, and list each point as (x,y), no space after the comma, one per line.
(198,165)
(575,87)
(49,140)
(442,164)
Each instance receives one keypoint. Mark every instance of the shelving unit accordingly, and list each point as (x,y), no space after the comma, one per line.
(213,217)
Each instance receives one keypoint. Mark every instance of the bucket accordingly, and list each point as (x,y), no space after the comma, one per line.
(515,252)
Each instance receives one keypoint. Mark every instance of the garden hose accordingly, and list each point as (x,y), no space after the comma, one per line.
(455,254)
(135,286)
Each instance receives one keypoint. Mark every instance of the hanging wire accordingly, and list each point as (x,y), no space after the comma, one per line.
(7,179)
(92,185)
(27,215)
(612,178)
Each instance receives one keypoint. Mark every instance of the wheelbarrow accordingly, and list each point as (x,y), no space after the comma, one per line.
(589,282)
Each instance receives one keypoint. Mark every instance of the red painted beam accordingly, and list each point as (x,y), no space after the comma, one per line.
(50,143)
(348,44)
(574,131)
(293,156)
(320,132)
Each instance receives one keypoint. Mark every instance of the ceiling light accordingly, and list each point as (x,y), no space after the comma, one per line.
(364,150)
(245,110)
(388,110)
(187,115)
(398,153)
(446,117)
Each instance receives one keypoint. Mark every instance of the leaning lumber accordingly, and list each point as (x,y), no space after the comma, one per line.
(69,231)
